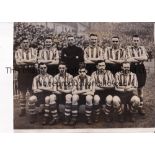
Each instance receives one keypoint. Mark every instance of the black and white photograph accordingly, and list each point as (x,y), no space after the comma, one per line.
(83,75)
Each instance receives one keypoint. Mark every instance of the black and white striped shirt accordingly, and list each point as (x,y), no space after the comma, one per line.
(129,79)
(63,82)
(84,83)
(93,52)
(115,54)
(42,81)
(103,79)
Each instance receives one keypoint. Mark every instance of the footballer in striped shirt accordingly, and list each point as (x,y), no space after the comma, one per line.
(63,84)
(126,92)
(50,56)
(93,53)
(83,89)
(25,58)
(104,89)
(137,54)
(42,87)
(114,55)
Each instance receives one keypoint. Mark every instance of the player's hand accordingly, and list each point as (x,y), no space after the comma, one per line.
(41,87)
(89,62)
(88,93)
(127,88)
(33,61)
(57,92)
(60,90)
(37,91)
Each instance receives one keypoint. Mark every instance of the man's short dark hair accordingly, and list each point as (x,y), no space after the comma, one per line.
(82,66)
(62,63)
(93,34)
(135,36)
(41,64)
(125,63)
(99,61)
(115,37)
(48,37)
(69,36)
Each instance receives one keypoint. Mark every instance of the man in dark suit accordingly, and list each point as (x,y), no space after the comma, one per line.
(72,56)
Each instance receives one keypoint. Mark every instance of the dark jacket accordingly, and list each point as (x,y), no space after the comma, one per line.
(72,56)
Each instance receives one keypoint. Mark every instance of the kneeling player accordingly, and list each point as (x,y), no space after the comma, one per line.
(126,87)
(63,83)
(42,89)
(104,84)
(83,90)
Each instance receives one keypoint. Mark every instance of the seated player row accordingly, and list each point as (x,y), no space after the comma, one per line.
(116,95)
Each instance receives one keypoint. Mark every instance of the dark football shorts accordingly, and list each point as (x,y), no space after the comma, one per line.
(25,77)
(60,98)
(125,96)
(41,97)
(140,71)
(82,99)
(104,93)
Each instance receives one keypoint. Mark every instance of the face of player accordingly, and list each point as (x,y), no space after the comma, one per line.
(71,41)
(43,69)
(93,40)
(136,41)
(115,42)
(62,69)
(126,68)
(101,66)
(48,43)
(82,72)
(25,44)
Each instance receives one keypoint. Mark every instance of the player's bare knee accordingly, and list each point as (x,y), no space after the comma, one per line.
(52,97)
(32,99)
(109,99)
(89,99)
(75,98)
(47,99)
(116,102)
(135,101)
(96,99)
(68,98)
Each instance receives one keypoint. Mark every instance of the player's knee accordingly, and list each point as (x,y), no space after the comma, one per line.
(75,98)
(53,97)
(96,99)
(32,99)
(135,101)
(109,99)
(89,99)
(47,99)
(116,102)
(68,98)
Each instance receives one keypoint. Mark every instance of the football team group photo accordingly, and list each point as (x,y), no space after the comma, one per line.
(76,75)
